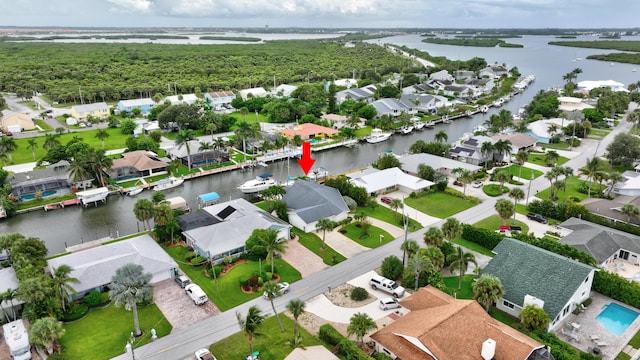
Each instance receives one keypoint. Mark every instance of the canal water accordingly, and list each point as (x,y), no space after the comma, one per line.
(76,225)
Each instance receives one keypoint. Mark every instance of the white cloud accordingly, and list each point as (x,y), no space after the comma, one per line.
(132,6)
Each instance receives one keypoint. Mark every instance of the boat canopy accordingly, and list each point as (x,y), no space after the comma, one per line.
(177,202)
(265,176)
(208,199)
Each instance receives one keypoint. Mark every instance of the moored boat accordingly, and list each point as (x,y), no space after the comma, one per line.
(168,183)
(377,136)
(406,129)
(317,174)
(262,182)
(133,191)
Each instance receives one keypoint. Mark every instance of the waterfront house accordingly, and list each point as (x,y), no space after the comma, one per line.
(144,105)
(182,99)
(384,181)
(283,91)
(493,71)
(308,202)
(16,122)
(540,129)
(219,99)
(417,89)
(463,75)
(481,86)
(588,85)
(247,94)
(532,275)
(425,103)
(442,75)
(199,157)
(411,164)
(440,327)
(459,91)
(52,180)
(469,150)
(235,222)
(519,142)
(358,94)
(393,107)
(9,280)
(94,267)
(136,164)
(309,131)
(340,121)
(98,110)
(569,103)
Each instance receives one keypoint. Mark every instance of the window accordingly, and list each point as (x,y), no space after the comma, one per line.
(507,304)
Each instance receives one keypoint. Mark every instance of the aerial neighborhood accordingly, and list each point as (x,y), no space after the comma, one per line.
(515,238)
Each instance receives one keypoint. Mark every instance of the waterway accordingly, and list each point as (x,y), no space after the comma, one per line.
(75,225)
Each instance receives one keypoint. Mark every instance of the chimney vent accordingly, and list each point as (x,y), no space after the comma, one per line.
(488,349)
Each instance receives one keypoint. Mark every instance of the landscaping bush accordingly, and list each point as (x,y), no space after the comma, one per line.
(381,356)
(558,248)
(93,298)
(75,312)
(392,267)
(616,287)
(494,190)
(560,349)
(329,334)
(618,225)
(352,351)
(56,356)
(359,294)
(560,211)
(483,237)
(198,260)
(431,277)
(447,249)
(190,257)
(345,347)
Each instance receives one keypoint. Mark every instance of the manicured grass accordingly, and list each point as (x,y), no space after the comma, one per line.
(30,103)
(539,159)
(522,209)
(103,333)
(249,118)
(43,125)
(514,170)
(362,132)
(563,145)
(387,215)
(439,204)
(573,185)
(493,223)
(271,343)
(635,340)
(623,356)
(474,247)
(375,238)
(229,294)
(465,290)
(494,189)
(503,317)
(314,244)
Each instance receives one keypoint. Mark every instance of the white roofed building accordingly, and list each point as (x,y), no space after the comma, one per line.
(382,181)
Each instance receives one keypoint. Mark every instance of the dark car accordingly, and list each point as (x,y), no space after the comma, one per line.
(537,217)
(386,199)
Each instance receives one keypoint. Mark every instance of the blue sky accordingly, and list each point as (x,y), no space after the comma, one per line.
(321,13)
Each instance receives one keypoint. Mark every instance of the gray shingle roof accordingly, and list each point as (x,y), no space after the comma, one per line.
(313,202)
(529,270)
(599,241)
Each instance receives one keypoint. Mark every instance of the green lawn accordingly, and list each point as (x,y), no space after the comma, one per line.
(474,247)
(572,191)
(493,223)
(362,132)
(539,159)
(314,243)
(271,343)
(43,125)
(465,290)
(439,204)
(514,170)
(375,238)
(494,190)
(503,317)
(387,215)
(522,209)
(103,333)
(229,294)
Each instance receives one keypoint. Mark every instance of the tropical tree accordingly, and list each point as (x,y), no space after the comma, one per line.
(452,229)
(591,170)
(50,141)
(487,290)
(408,247)
(418,264)
(434,255)
(441,136)
(552,157)
(211,127)
(516,194)
(102,134)
(464,176)
(246,131)
(45,332)
(433,236)
(296,308)
(77,169)
(272,289)
(162,214)
(250,324)
(183,139)
(502,177)
(505,209)
(459,261)
(631,210)
(273,245)
(61,282)
(359,325)
(614,178)
(143,210)
(634,117)
(8,145)
(534,318)
(501,149)
(129,286)
(10,295)
(487,149)
(522,156)
(325,225)
(395,205)
(32,144)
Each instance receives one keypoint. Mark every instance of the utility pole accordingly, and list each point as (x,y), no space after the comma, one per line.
(80,91)
(529,191)
(274,81)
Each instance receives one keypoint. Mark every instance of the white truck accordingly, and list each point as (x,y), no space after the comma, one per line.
(382,283)
(17,338)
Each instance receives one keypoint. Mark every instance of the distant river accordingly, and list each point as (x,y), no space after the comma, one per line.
(74,225)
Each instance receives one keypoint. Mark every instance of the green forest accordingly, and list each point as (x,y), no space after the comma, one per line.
(481,42)
(630,58)
(109,72)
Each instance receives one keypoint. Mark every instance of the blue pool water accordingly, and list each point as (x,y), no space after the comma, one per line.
(616,318)
(28,197)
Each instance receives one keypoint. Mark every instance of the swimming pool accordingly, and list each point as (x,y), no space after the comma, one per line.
(616,318)
(46,193)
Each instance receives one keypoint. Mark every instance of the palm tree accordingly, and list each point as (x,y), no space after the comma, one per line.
(273,245)
(162,214)
(296,308)
(324,225)
(487,149)
(522,156)
(102,134)
(244,111)
(272,289)
(61,280)
(502,148)
(10,295)
(211,127)
(50,141)
(464,176)
(516,194)
(502,177)
(245,131)
(183,139)
(487,290)
(77,169)
(395,205)
(32,144)
(631,210)
(353,120)
(433,237)
(459,261)
(452,229)
(143,210)
(614,178)
(634,117)
(99,162)
(8,145)
(45,332)
(250,324)
(591,170)
(552,157)
(417,264)
(408,247)
(359,325)
(441,136)
(129,286)
(505,209)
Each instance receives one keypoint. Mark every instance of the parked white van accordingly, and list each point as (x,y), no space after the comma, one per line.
(196,294)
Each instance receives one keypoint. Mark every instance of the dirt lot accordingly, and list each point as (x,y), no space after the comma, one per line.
(178,307)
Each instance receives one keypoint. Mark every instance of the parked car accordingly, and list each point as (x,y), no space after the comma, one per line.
(476,184)
(204,354)
(386,285)
(386,199)
(196,294)
(537,217)
(183,281)
(284,288)
(389,303)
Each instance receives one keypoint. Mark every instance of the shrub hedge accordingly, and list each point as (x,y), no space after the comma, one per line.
(359,294)
(344,346)
(560,211)
(483,237)
(616,287)
(75,312)
(618,225)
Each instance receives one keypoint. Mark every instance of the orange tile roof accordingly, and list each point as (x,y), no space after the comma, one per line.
(307,129)
(137,159)
(450,329)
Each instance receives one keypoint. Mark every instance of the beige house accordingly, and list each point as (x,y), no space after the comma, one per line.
(97,110)
(16,122)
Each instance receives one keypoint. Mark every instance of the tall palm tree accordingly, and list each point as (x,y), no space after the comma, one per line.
(129,286)
(78,169)
(487,290)
(102,134)
(441,136)
(433,236)
(522,156)
(183,139)
(296,308)
(452,229)
(464,176)
(162,214)
(614,178)
(591,170)
(143,210)
(516,194)
(359,325)
(459,261)
(246,131)
(634,117)
(502,148)
(8,145)
(211,127)
(272,289)
(408,247)
(61,282)
(353,120)
(10,295)
(417,264)
(395,205)
(45,332)
(250,324)
(32,144)
(50,141)
(99,162)
(502,177)
(505,209)
(552,157)
(324,225)
(487,149)
(631,210)
(273,245)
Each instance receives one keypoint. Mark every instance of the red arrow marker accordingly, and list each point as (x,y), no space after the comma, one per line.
(306,162)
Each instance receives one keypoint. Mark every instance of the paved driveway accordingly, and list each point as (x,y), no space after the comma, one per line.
(178,307)
(303,259)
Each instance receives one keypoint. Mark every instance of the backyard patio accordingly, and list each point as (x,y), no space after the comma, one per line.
(624,268)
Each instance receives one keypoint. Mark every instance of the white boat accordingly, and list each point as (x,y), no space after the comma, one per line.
(484,108)
(92,196)
(262,182)
(419,125)
(480,128)
(429,125)
(634,70)
(133,191)
(319,173)
(168,183)
(377,136)
(406,129)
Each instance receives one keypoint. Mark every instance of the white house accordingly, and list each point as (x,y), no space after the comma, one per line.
(182,99)
(442,75)
(308,202)
(411,163)
(9,281)
(253,92)
(283,91)
(382,181)
(540,129)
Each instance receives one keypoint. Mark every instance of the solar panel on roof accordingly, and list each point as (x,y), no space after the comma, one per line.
(226,212)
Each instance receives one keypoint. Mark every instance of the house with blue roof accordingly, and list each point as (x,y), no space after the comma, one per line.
(308,202)
(127,106)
